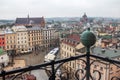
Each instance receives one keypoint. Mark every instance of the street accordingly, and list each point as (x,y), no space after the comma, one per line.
(32,58)
(40,74)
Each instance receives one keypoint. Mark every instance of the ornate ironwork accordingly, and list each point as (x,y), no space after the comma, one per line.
(65,75)
(116,78)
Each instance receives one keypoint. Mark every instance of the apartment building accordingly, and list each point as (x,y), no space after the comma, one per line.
(2,39)
(108,70)
(10,40)
(50,38)
(35,38)
(71,46)
(22,45)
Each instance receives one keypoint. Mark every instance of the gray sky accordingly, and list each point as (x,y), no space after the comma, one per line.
(10,9)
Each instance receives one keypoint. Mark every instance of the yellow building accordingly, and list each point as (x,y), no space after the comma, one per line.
(69,47)
(10,40)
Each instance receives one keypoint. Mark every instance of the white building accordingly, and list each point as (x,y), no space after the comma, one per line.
(49,36)
(4,59)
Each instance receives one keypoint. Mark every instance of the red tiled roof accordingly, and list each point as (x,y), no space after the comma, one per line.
(72,40)
(75,37)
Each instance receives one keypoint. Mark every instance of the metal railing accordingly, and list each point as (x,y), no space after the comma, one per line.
(87,75)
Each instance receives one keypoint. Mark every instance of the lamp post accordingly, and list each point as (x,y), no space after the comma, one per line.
(88,39)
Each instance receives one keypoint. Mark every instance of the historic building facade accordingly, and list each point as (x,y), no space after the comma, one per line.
(71,46)
(2,39)
(21,38)
(10,40)
(50,38)
(30,21)
(35,38)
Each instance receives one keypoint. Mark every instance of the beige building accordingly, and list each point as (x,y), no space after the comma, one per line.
(71,46)
(50,37)
(22,45)
(10,40)
(35,38)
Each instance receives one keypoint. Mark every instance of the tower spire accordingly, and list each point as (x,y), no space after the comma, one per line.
(28,16)
(28,19)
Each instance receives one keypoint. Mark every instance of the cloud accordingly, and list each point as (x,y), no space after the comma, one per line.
(53,8)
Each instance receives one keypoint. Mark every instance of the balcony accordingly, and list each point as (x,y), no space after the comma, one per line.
(79,74)
(89,68)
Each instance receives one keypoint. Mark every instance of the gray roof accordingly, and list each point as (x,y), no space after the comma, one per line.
(110,53)
(24,21)
(34,28)
(8,31)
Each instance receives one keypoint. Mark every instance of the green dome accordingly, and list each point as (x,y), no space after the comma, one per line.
(88,38)
(1,51)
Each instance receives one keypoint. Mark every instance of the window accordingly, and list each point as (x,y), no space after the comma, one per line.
(73,65)
(111,68)
(95,66)
(70,49)
(73,50)
(14,46)
(11,46)
(8,47)
(101,68)
(67,48)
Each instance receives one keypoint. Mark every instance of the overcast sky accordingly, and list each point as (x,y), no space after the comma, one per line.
(10,9)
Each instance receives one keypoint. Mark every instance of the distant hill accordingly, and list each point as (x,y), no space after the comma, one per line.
(3,22)
(63,19)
